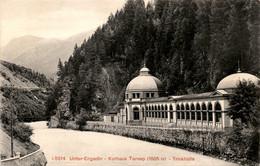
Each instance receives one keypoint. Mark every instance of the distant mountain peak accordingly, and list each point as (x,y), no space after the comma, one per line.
(41,54)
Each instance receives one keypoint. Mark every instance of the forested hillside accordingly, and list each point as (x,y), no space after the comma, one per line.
(23,93)
(24,74)
(189,44)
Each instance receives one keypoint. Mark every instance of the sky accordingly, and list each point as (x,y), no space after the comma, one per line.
(53,18)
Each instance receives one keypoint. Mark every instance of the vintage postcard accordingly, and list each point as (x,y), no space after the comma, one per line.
(129,82)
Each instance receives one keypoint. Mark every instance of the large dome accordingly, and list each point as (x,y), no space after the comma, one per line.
(231,81)
(144,82)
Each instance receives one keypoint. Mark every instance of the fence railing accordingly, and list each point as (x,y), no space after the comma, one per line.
(162,125)
(25,160)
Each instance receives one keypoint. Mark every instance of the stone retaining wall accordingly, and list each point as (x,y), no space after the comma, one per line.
(202,141)
(36,158)
(212,143)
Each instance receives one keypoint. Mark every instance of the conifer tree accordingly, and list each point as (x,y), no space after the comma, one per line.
(218,24)
(60,70)
(236,45)
(243,104)
(201,46)
(253,21)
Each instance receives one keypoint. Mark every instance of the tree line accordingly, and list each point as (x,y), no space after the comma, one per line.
(37,78)
(188,44)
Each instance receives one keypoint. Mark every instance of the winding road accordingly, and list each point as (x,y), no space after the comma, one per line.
(69,148)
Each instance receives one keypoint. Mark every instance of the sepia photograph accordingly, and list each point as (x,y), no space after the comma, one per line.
(129,82)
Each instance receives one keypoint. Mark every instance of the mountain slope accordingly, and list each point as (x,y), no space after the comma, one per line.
(9,79)
(22,94)
(41,54)
(23,90)
(19,46)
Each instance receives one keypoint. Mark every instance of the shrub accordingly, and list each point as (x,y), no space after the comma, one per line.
(22,132)
(82,119)
(242,142)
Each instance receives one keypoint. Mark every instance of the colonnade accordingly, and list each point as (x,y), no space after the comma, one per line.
(209,113)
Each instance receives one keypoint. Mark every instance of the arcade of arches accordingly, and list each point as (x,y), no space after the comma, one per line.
(204,114)
(146,104)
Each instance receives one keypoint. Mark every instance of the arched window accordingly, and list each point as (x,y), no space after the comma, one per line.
(198,106)
(218,106)
(155,107)
(159,107)
(192,112)
(218,112)
(187,113)
(171,107)
(152,107)
(166,108)
(149,107)
(162,107)
(182,107)
(178,107)
(210,112)
(210,106)
(146,107)
(204,113)
(192,107)
(187,107)
(204,106)
(198,111)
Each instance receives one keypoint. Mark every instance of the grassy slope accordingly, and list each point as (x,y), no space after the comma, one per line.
(11,79)
(29,99)
(23,148)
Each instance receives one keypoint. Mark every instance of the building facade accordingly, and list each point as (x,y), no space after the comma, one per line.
(147,104)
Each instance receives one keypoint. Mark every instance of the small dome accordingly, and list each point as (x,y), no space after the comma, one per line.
(145,82)
(144,69)
(231,81)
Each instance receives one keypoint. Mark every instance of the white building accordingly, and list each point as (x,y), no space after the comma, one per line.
(146,104)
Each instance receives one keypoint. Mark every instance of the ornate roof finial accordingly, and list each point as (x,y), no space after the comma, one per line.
(238,68)
(144,70)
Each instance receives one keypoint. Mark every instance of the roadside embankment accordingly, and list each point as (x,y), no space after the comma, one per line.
(211,143)
(36,158)
(26,153)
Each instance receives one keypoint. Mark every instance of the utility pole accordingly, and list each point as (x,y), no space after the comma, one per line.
(12,148)
(12,135)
